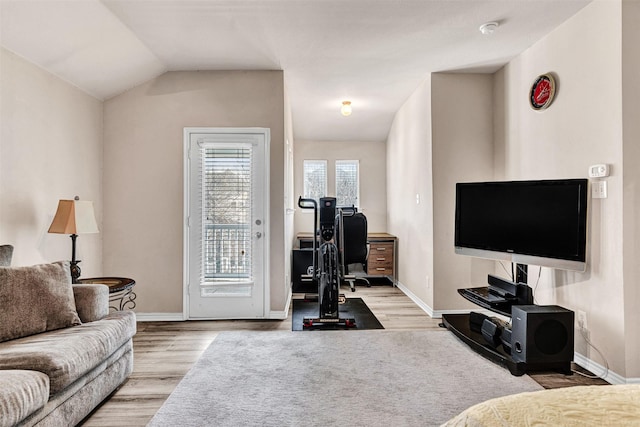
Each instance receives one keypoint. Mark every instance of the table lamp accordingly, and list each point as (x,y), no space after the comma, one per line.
(74,217)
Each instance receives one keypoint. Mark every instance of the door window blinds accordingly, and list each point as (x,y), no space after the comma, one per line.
(226,214)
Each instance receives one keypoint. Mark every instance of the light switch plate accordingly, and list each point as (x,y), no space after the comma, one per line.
(599,189)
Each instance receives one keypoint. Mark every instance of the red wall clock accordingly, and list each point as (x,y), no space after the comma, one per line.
(542,91)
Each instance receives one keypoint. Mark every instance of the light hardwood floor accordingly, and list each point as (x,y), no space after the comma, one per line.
(165,351)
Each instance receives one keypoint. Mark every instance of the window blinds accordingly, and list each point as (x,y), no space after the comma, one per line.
(347,183)
(315,179)
(226,213)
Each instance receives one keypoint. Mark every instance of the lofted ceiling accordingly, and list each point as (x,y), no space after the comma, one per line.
(372,52)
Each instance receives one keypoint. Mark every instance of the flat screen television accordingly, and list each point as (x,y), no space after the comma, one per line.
(527,222)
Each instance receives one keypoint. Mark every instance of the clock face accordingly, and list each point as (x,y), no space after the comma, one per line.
(542,92)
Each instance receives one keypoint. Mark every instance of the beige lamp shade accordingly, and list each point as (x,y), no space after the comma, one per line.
(74,217)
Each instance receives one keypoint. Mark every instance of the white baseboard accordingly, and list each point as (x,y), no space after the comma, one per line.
(424,306)
(159,317)
(281,315)
(179,317)
(604,373)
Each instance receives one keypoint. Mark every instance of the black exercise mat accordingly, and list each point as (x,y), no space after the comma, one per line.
(353,308)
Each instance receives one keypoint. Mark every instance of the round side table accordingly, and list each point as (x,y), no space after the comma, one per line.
(121,293)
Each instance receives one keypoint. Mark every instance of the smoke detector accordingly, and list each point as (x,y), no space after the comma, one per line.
(488,28)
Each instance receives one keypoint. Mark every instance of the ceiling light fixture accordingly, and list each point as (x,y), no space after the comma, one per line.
(346,108)
(489,28)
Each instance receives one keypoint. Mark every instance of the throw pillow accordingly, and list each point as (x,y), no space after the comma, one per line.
(36,299)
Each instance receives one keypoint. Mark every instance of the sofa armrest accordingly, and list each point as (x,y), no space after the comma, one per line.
(92,301)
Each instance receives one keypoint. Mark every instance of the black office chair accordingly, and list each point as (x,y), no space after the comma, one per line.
(354,247)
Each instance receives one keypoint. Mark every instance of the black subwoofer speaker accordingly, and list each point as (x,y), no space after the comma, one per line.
(541,334)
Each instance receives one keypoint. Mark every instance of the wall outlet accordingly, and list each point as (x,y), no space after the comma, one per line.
(582,320)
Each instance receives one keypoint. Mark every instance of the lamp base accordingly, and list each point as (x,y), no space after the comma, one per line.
(75,272)
(75,268)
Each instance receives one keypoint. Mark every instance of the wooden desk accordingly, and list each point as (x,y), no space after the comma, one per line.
(382,261)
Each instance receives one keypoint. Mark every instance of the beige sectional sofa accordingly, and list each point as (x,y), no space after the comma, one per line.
(61,351)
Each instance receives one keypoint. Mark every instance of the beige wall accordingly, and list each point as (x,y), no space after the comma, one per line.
(462,129)
(143,175)
(289,196)
(50,149)
(631,180)
(409,173)
(443,134)
(372,165)
(582,127)
(467,127)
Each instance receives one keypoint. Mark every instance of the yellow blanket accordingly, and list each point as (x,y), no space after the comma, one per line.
(581,406)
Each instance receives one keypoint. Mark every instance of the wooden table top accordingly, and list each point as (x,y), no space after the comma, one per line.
(115,284)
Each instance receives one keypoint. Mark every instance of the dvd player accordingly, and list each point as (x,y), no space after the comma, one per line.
(486,294)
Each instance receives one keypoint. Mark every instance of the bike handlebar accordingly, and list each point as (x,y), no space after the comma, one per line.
(302,201)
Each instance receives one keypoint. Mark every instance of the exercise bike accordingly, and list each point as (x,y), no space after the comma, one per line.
(327,269)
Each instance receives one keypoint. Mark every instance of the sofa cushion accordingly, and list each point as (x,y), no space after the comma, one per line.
(36,299)
(92,301)
(67,354)
(21,394)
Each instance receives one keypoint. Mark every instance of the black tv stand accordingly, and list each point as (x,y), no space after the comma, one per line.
(459,325)
(499,301)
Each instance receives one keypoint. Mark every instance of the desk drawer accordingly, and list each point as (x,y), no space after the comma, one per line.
(379,271)
(380,261)
(381,248)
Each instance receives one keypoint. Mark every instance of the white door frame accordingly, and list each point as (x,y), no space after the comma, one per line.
(186,193)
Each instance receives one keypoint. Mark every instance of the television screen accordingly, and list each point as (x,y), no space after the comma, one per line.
(529,222)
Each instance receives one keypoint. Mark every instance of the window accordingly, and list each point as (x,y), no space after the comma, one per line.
(347,183)
(226,201)
(315,179)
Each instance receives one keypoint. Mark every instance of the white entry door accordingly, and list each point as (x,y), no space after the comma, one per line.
(226,206)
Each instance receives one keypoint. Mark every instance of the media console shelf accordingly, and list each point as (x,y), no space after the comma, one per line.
(459,325)
(517,294)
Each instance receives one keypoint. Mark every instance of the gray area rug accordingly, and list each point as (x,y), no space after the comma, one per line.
(368,378)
